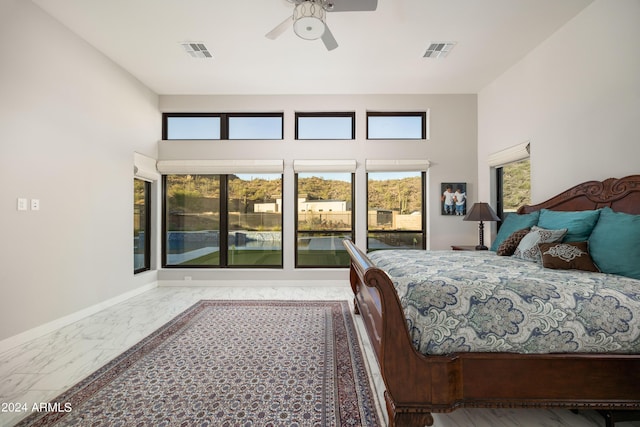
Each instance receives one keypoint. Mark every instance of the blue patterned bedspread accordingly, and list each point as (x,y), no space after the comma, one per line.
(457,301)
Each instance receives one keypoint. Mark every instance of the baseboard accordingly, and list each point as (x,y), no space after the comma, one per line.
(252,283)
(24,337)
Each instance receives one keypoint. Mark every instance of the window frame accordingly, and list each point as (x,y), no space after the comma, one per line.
(500,194)
(147,232)
(296,231)
(423,222)
(421,114)
(223,232)
(165,222)
(227,226)
(499,188)
(350,114)
(224,125)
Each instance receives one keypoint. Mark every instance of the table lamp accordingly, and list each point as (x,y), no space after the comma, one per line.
(481,212)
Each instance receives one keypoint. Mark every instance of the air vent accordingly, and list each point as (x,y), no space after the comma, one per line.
(196,49)
(439,49)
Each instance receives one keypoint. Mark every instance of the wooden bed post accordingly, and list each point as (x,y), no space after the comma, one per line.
(401,417)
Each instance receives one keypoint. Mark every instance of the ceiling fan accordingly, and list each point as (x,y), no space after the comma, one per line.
(309,18)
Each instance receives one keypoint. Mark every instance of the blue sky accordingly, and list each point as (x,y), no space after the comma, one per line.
(252,127)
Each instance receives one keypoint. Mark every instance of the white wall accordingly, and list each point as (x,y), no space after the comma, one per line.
(70,120)
(451,151)
(576,97)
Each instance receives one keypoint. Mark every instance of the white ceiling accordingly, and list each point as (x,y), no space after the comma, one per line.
(379,52)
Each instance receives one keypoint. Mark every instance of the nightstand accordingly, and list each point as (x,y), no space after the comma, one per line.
(465,248)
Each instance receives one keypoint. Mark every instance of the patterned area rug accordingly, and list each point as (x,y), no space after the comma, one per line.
(231,363)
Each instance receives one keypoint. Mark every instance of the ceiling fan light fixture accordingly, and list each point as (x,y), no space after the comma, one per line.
(308,20)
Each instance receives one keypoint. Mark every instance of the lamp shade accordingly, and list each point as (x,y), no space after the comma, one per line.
(481,212)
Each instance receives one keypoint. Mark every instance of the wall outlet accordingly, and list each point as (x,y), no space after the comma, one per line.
(187,277)
(22,204)
(35,204)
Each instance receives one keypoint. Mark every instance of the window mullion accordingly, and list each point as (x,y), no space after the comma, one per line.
(423,186)
(223,238)
(224,126)
(499,194)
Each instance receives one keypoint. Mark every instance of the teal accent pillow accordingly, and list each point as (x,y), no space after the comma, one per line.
(579,223)
(615,243)
(512,223)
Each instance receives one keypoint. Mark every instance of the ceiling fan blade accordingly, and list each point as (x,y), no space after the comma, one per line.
(327,38)
(281,28)
(353,5)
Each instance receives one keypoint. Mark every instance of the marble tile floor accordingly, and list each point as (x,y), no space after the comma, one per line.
(43,368)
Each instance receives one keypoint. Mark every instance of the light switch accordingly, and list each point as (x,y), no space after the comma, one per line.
(22,204)
(35,204)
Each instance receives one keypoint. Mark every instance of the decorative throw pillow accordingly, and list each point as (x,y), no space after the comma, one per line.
(512,223)
(579,224)
(614,243)
(509,245)
(567,256)
(528,247)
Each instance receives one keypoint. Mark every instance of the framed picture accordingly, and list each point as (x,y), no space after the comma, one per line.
(453,198)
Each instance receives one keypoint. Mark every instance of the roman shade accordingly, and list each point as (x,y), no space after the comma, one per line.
(374,165)
(324,166)
(219,166)
(509,155)
(144,167)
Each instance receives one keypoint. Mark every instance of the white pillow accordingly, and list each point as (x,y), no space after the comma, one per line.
(528,248)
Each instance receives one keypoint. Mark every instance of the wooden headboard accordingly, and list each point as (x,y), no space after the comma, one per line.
(621,195)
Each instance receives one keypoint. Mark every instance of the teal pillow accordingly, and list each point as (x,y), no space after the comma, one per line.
(512,223)
(579,223)
(614,244)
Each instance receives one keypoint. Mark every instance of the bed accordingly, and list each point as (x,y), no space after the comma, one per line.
(421,378)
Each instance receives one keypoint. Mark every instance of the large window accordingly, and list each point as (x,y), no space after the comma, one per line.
(223,220)
(324,217)
(141,225)
(254,220)
(513,187)
(192,220)
(325,126)
(412,125)
(222,126)
(395,211)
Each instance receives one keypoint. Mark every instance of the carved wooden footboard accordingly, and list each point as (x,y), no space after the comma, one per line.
(418,385)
